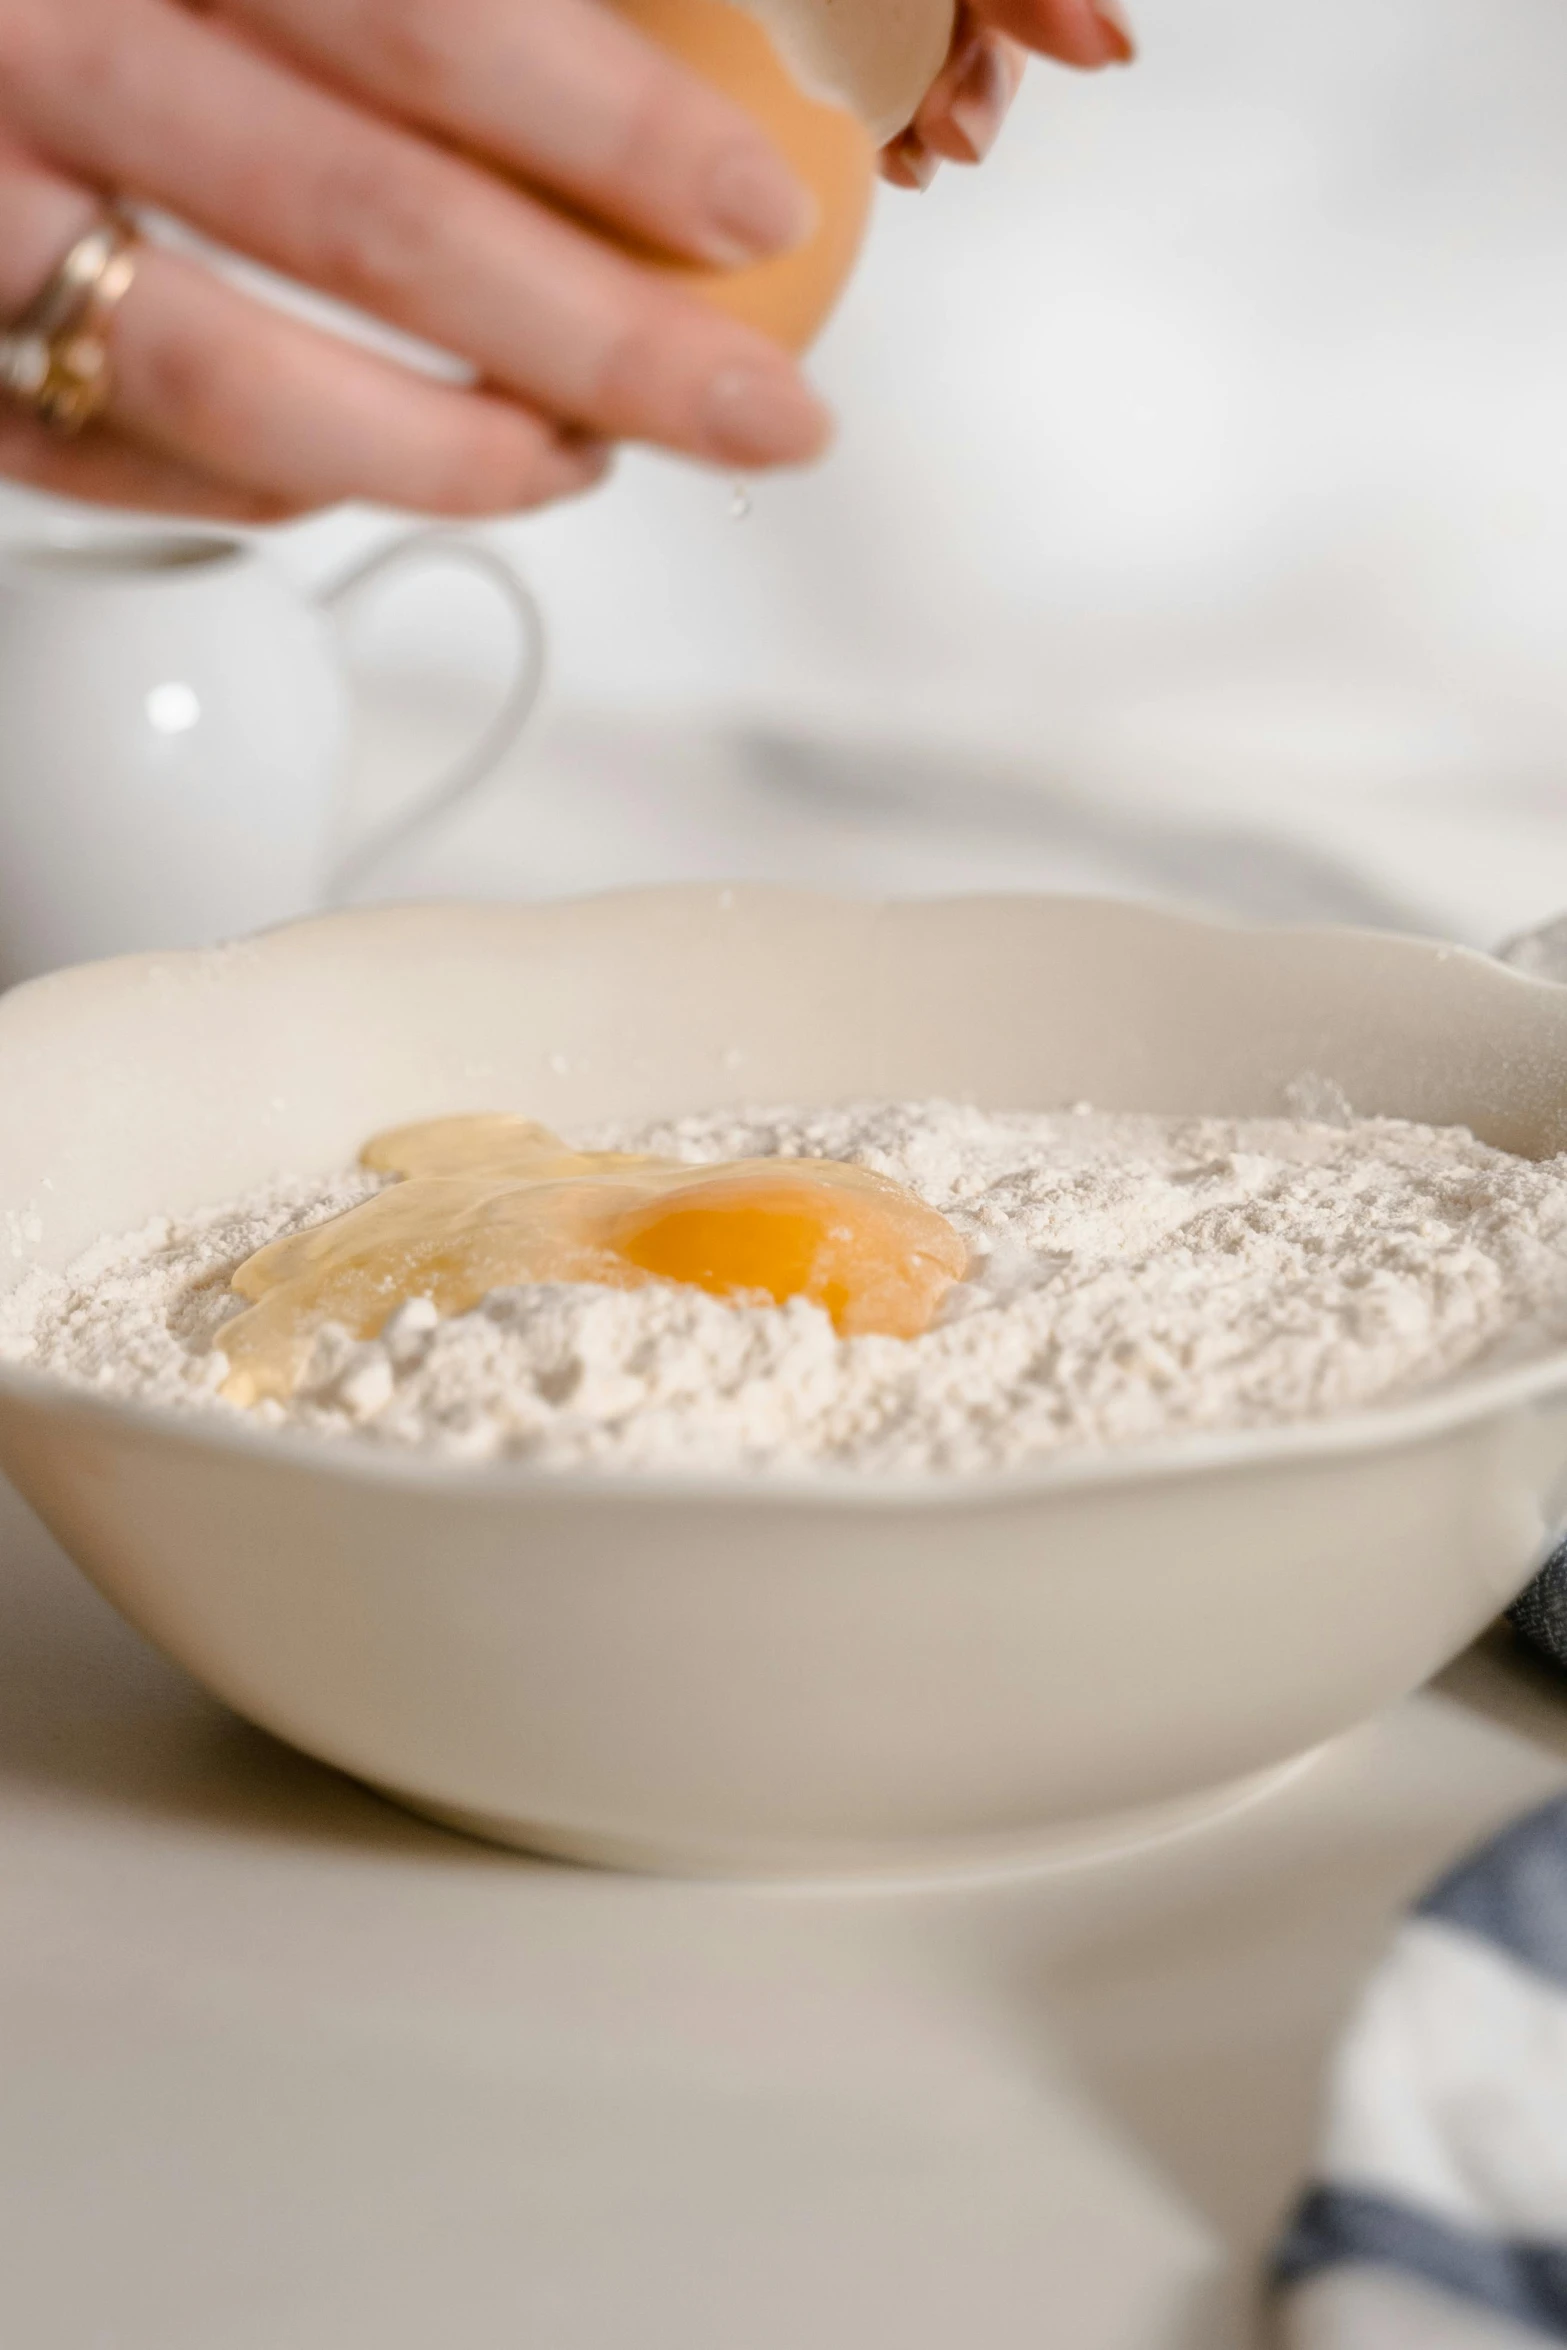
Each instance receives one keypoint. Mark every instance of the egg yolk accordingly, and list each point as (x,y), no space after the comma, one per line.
(495,1202)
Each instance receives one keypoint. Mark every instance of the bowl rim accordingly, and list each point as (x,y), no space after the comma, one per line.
(1467,1400)
(1462,1400)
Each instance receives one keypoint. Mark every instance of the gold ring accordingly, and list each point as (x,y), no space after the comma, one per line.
(54,359)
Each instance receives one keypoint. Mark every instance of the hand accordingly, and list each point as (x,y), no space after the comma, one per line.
(965,108)
(330,139)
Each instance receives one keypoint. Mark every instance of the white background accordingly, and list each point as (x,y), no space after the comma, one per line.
(1206,453)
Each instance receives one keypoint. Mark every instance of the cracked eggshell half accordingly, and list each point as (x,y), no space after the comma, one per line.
(830,81)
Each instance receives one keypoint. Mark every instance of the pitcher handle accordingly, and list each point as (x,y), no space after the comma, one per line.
(476,766)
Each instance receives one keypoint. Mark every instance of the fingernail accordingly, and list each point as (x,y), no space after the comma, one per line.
(1120,42)
(909,163)
(978,106)
(763,416)
(754,206)
(589,458)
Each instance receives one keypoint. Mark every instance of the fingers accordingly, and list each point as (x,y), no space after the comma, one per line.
(962,114)
(206,376)
(569,96)
(109,471)
(105,470)
(1088,33)
(133,94)
(41,217)
(906,162)
(222,405)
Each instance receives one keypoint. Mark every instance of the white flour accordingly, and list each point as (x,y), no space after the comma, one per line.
(1133,1277)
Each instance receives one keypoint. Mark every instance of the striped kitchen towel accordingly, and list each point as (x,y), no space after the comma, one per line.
(1439,2221)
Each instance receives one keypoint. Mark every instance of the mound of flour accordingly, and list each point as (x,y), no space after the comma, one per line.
(1132,1277)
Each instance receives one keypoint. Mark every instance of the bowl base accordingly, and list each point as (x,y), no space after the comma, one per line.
(842,1866)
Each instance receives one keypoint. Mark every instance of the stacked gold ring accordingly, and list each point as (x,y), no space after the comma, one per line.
(54,359)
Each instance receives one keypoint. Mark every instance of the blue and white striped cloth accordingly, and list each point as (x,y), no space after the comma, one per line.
(1439,2221)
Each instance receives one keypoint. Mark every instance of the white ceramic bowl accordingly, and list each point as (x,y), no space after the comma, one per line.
(715,1674)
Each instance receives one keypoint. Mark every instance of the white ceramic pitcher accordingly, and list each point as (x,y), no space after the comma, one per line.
(173,723)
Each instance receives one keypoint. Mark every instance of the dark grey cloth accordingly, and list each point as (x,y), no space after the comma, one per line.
(1514,1893)
(1541,1614)
(1525,2282)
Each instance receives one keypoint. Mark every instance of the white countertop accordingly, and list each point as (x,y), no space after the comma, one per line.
(595,799)
(281,2069)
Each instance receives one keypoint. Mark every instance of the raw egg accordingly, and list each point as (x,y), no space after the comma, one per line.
(495,1202)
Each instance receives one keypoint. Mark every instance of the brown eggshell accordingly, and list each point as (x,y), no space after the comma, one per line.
(790,296)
